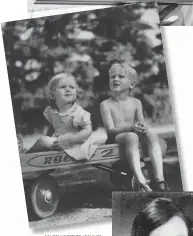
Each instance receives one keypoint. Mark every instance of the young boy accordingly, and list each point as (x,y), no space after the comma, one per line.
(123,119)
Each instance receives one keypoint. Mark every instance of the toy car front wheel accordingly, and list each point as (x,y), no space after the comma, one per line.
(44,196)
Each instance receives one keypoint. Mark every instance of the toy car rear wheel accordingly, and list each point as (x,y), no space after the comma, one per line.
(44,196)
(128,182)
(121,182)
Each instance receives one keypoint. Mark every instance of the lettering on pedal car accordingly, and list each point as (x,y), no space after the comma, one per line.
(47,160)
(56,159)
(43,161)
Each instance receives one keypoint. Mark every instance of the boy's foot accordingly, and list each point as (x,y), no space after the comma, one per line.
(161,186)
(140,187)
(144,188)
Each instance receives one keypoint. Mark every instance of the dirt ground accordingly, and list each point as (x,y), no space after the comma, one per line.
(75,216)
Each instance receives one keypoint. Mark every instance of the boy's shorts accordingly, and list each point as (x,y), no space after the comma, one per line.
(111,139)
(142,144)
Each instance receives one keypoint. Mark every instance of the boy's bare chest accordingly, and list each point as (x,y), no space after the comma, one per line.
(123,111)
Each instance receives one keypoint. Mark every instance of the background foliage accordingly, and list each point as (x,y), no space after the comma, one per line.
(85,44)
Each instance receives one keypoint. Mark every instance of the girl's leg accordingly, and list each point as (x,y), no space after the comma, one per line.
(155,154)
(43,144)
(131,142)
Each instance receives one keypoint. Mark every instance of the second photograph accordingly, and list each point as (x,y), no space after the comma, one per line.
(152,214)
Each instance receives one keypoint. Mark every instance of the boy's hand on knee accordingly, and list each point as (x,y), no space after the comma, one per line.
(144,129)
(137,128)
(140,128)
(64,140)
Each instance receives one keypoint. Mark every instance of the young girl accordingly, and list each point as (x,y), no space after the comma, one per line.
(70,128)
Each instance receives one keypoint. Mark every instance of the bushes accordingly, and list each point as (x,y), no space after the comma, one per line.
(85,44)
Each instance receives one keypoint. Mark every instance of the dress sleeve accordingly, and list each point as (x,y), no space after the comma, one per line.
(81,118)
(47,114)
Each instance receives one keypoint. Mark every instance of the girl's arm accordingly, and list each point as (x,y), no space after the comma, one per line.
(50,130)
(81,135)
(48,115)
(108,121)
(77,137)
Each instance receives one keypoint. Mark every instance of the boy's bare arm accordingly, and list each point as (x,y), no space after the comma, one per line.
(139,112)
(140,126)
(109,124)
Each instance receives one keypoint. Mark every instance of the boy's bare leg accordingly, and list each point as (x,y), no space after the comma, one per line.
(155,154)
(131,141)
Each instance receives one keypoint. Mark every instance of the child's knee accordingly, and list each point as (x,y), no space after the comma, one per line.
(44,141)
(151,136)
(131,138)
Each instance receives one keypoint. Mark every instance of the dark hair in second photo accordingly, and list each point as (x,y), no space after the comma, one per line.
(156,213)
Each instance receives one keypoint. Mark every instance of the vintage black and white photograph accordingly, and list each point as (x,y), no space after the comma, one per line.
(92,110)
(152,214)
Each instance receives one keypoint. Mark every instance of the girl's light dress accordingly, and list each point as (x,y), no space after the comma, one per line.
(71,122)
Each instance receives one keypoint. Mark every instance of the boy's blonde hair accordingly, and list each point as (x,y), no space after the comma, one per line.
(130,71)
(51,87)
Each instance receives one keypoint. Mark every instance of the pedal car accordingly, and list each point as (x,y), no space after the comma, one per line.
(40,172)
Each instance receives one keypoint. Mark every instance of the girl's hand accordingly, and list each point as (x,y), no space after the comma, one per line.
(56,144)
(65,140)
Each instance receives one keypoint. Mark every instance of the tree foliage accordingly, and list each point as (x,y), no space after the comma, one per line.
(85,44)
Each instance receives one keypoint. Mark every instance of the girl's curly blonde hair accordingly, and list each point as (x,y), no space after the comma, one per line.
(52,84)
